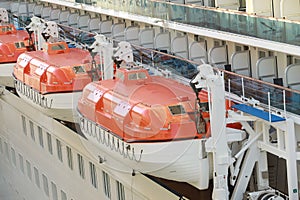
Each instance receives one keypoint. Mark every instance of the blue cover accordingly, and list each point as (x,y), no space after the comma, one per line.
(257,112)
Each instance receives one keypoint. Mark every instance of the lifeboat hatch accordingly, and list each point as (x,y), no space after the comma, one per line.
(122,108)
(95,95)
(56,48)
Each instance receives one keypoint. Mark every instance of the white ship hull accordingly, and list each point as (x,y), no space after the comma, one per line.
(56,105)
(6,77)
(182,161)
(42,175)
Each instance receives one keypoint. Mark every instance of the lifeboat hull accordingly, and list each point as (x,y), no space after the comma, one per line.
(178,160)
(6,78)
(61,106)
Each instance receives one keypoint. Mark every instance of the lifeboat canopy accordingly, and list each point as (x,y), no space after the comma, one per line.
(138,107)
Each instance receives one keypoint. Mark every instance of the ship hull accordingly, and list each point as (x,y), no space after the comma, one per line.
(30,171)
(6,77)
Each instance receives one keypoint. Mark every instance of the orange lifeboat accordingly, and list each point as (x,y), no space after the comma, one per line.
(137,107)
(149,123)
(12,43)
(52,79)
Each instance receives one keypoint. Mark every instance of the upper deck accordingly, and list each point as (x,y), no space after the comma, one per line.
(209,21)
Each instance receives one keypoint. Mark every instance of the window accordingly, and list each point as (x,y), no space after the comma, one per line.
(41,139)
(21,161)
(13,156)
(63,195)
(20,45)
(106,184)
(238,48)
(219,43)
(261,54)
(59,152)
(78,69)
(93,175)
(6,150)
(24,125)
(49,142)
(58,47)
(1,148)
(120,75)
(45,185)
(28,166)
(120,191)
(177,109)
(54,191)
(36,177)
(80,165)
(31,130)
(137,75)
(70,157)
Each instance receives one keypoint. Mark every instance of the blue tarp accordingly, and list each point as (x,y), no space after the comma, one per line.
(257,112)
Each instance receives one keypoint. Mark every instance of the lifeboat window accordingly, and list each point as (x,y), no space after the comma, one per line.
(20,45)
(78,69)
(120,75)
(136,76)
(6,29)
(177,110)
(132,76)
(58,47)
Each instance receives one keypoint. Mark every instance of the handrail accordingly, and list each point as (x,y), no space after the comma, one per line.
(237,22)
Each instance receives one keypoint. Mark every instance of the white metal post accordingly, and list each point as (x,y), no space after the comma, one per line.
(291,161)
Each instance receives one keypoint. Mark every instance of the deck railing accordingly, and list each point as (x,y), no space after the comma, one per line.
(268,28)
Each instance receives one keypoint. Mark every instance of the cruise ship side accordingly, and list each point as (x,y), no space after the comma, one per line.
(248,102)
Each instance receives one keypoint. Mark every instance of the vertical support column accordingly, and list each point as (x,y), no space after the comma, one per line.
(218,141)
(265,131)
(291,160)
(280,139)
(107,53)
(262,171)
(262,164)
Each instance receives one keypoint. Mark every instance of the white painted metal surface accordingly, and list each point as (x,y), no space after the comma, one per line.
(105,27)
(292,78)
(240,63)
(267,69)
(131,34)
(67,180)
(162,41)
(117,31)
(6,71)
(179,46)
(218,56)
(198,52)
(146,38)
